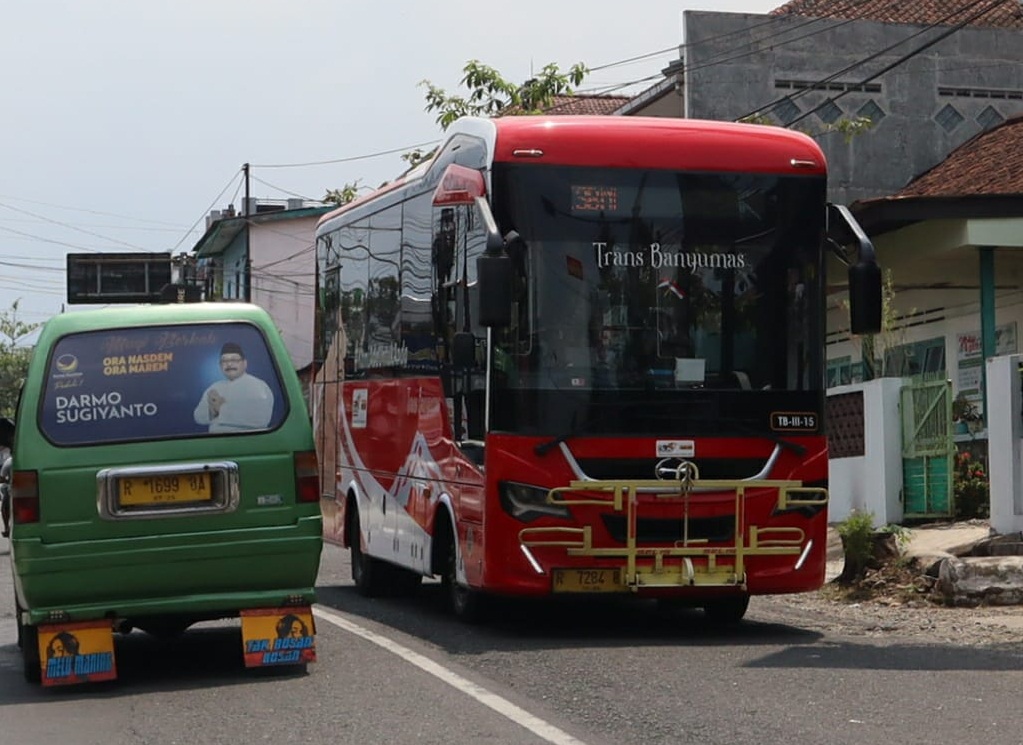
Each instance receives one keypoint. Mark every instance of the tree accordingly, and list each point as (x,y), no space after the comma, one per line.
(490,94)
(876,349)
(14,359)
(347,193)
(848,127)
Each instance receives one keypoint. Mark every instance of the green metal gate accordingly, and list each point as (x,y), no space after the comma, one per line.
(927,449)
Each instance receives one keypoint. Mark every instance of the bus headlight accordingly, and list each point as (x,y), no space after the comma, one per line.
(527,503)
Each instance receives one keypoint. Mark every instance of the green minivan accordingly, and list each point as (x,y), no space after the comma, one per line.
(164,473)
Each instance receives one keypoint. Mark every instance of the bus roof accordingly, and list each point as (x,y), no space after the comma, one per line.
(628,142)
(654,142)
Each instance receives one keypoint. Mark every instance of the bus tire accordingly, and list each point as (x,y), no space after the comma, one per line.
(403,582)
(30,652)
(465,604)
(367,572)
(727,611)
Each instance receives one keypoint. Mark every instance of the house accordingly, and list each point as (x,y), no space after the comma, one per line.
(266,255)
(929,75)
(933,180)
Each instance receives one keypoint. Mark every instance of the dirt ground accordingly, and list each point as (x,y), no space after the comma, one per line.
(896,601)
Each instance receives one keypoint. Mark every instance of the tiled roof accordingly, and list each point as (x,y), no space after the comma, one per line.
(584,104)
(991,163)
(1006,14)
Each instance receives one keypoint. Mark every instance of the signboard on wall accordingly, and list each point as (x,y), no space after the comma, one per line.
(969,354)
(104,278)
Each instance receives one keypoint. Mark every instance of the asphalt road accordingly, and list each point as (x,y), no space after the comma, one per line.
(597,673)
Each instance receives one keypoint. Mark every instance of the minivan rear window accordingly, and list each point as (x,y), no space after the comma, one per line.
(157,382)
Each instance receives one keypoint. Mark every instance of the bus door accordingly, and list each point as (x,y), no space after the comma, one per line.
(458,240)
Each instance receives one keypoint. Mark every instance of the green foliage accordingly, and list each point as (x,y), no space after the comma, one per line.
(344,195)
(867,547)
(14,359)
(971,487)
(857,532)
(874,347)
(490,94)
(417,156)
(848,127)
(902,535)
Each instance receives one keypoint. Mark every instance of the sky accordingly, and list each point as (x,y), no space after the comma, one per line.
(124,123)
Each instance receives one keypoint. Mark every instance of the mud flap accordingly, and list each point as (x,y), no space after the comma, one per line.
(79,652)
(278,636)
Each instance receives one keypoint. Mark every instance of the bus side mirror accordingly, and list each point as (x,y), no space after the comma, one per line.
(865,297)
(463,351)
(494,274)
(864,275)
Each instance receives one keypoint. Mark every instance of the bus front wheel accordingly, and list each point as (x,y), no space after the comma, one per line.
(727,611)
(366,571)
(466,604)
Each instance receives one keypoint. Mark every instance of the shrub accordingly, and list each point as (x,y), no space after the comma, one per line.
(857,533)
(970,487)
(867,547)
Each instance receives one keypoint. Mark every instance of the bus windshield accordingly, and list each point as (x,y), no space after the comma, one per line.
(657,288)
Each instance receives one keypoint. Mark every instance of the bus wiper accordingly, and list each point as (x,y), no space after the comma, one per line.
(545,447)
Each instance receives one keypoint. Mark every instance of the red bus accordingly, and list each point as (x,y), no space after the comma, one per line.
(585,355)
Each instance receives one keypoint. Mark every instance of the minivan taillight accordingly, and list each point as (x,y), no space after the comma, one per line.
(25,497)
(307,479)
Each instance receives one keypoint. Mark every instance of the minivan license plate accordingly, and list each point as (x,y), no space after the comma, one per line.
(164,489)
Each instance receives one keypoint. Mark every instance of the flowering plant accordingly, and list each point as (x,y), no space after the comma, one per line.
(970,485)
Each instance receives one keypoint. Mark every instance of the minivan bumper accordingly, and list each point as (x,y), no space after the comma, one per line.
(206,574)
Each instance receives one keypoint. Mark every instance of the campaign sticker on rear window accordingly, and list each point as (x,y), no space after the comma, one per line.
(794,421)
(154,382)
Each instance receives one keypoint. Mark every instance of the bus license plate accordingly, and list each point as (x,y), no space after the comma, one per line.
(137,491)
(587,580)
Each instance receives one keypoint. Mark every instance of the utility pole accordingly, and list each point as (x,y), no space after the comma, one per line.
(248,257)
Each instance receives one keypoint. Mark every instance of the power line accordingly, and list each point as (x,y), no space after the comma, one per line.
(348,159)
(207,210)
(284,191)
(89,211)
(49,240)
(70,227)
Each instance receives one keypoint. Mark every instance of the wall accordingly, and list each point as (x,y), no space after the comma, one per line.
(1005,443)
(872,482)
(926,107)
(283,280)
(951,314)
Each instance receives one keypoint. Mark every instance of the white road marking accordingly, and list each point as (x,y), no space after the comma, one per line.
(502,706)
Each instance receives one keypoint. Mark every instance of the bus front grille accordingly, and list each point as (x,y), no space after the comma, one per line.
(650,531)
